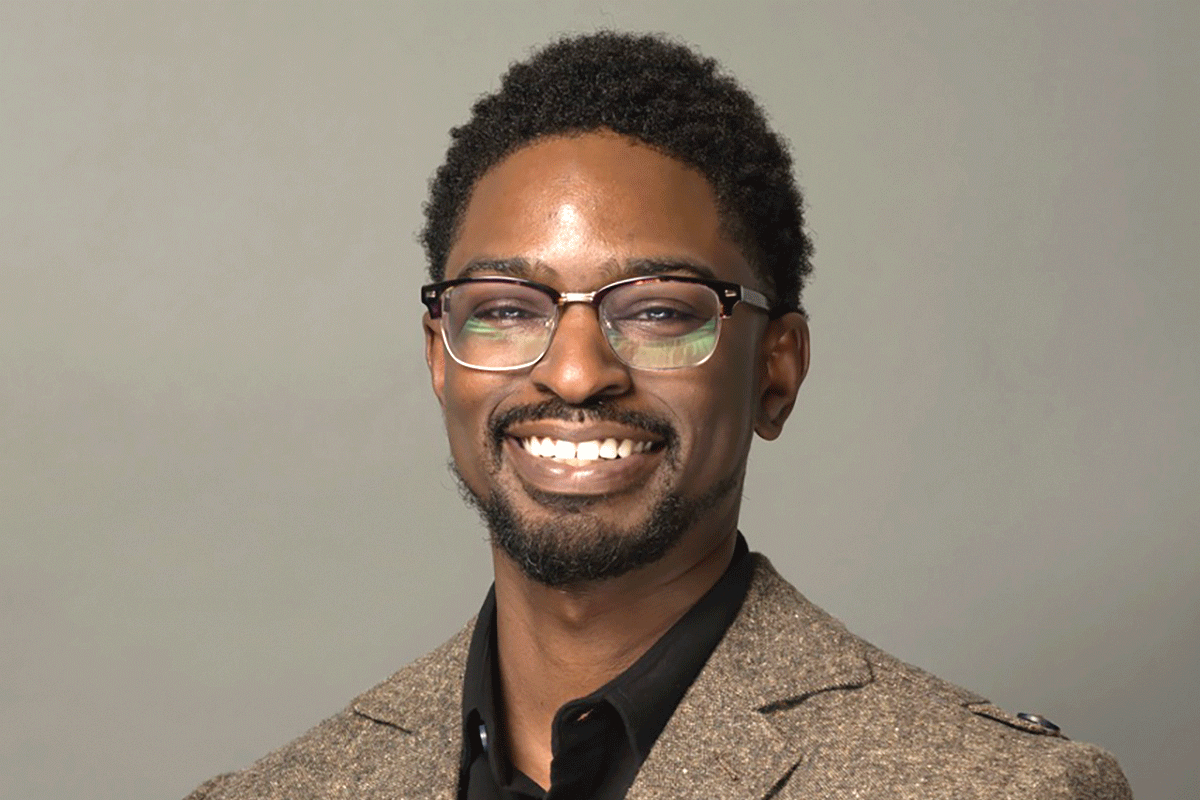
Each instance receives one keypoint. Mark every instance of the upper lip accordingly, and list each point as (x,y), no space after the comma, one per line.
(585,432)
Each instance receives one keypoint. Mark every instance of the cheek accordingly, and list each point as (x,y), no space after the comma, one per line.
(719,419)
(466,404)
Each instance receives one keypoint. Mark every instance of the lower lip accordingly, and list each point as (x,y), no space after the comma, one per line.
(599,477)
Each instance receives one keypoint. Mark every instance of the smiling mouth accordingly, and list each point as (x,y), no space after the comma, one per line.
(579,453)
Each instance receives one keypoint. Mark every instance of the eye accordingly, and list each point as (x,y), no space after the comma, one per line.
(504,312)
(662,313)
(659,311)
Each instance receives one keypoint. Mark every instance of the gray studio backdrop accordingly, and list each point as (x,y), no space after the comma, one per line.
(224,502)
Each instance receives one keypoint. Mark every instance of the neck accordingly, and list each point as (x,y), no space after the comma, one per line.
(556,644)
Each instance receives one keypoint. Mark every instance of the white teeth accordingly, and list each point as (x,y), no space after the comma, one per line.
(584,451)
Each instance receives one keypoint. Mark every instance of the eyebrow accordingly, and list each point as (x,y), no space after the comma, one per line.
(514,267)
(636,267)
(518,267)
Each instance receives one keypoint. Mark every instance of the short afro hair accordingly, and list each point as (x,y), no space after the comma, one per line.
(662,94)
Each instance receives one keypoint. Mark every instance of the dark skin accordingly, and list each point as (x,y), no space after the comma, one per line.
(577,213)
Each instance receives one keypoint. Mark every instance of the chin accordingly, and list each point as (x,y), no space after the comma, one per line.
(575,544)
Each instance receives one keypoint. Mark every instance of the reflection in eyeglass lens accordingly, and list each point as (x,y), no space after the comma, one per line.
(651,325)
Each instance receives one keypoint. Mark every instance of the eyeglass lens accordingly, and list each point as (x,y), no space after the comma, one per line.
(649,325)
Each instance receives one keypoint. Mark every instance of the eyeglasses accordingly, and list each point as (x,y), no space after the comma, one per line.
(657,322)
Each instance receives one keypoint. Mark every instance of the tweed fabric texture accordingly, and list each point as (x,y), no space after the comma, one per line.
(789,705)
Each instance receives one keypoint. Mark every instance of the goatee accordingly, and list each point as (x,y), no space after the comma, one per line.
(579,547)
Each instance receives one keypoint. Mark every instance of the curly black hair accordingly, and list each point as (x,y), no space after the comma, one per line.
(656,91)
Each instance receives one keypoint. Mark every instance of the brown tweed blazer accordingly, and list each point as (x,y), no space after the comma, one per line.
(790,705)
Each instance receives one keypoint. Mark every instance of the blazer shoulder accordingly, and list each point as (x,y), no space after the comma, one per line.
(210,787)
(399,738)
(316,764)
(898,726)
(1023,750)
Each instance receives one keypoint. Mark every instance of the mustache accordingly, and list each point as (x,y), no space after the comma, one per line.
(597,411)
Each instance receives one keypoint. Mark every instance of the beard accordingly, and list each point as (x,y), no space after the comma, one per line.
(580,545)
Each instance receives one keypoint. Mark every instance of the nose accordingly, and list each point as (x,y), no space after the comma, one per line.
(580,365)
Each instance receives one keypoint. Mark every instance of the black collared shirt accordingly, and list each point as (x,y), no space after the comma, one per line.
(600,741)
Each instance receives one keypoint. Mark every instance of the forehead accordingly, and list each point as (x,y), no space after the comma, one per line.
(583,210)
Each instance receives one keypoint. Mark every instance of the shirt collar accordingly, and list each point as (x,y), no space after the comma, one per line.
(644,695)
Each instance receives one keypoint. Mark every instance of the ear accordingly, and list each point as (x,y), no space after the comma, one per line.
(435,355)
(784,364)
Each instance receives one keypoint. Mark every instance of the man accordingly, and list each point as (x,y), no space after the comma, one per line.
(617,251)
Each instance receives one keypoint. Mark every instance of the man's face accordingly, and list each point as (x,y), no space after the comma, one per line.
(577,213)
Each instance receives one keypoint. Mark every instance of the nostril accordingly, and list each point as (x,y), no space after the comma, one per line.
(577,377)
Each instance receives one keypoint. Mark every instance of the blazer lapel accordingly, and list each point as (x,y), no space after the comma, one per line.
(779,651)
(423,704)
